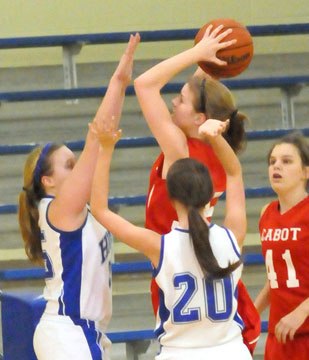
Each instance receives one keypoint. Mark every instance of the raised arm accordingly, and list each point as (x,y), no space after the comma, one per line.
(143,240)
(235,214)
(68,209)
(170,137)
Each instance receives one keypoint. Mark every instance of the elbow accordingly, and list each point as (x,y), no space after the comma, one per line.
(98,214)
(140,85)
(95,209)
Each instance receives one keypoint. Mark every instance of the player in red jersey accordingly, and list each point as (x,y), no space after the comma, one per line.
(284,230)
(179,137)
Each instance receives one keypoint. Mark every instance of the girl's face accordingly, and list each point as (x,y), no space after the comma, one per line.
(62,163)
(183,110)
(286,171)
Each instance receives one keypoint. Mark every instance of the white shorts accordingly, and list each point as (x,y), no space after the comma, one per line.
(59,337)
(233,350)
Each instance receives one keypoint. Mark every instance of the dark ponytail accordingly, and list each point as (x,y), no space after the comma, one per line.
(189,182)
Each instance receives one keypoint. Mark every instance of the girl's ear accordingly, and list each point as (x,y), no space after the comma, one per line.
(47,181)
(199,119)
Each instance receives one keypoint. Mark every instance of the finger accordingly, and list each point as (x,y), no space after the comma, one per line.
(291,334)
(208,30)
(133,42)
(223,34)
(226,44)
(119,134)
(116,135)
(137,38)
(226,123)
(219,61)
(278,333)
(283,337)
(217,30)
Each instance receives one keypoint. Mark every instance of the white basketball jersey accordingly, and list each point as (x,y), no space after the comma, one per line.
(195,312)
(77,269)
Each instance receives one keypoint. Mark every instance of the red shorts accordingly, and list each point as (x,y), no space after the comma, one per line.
(297,349)
(246,310)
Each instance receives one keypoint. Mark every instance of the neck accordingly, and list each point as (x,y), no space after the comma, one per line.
(290,199)
(183,218)
(182,214)
(50,192)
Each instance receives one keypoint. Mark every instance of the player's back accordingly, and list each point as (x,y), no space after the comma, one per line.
(195,312)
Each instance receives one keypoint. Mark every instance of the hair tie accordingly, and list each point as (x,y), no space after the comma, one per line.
(38,168)
(233,114)
(25,189)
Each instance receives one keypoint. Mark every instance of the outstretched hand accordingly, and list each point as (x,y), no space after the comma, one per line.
(213,128)
(125,66)
(211,42)
(106,133)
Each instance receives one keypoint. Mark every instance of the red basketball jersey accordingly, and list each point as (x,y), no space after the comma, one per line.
(285,246)
(160,213)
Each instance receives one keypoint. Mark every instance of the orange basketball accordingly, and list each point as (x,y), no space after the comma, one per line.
(238,56)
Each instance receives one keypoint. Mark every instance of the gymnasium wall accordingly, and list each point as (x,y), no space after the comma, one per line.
(57,17)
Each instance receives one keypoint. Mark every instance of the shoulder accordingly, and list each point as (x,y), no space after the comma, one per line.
(196,145)
(268,207)
(224,243)
(203,152)
(219,234)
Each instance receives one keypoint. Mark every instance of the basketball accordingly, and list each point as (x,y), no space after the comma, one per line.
(238,56)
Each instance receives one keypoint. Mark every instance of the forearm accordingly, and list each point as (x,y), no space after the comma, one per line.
(100,186)
(161,73)
(263,299)
(112,103)
(304,307)
(226,155)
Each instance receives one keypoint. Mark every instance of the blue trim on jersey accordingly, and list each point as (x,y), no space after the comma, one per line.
(92,336)
(182,230)
(72,260)
(60,302)
(163,313)
(233,244)
(211,225)
(63,231)
(158,268)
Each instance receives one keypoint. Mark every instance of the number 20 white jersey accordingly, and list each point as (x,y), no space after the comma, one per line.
(194,312)
(77,269)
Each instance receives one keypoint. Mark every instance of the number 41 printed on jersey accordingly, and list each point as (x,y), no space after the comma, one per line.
(292,280)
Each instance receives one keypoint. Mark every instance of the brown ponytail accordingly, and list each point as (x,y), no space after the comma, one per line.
(32,192)
(216,101)
(189,182)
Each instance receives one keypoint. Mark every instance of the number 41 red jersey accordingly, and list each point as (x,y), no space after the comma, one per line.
(285,246)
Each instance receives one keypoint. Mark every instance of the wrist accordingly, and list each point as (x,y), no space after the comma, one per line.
(304,307)
(106,149)
(118,80)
